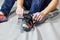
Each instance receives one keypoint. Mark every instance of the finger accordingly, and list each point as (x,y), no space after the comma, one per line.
(41,17)
(38,17)
(34,16)
(17,13)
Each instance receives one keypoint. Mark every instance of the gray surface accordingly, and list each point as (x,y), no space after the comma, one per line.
(47,31)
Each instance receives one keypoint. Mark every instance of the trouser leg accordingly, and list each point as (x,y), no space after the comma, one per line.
(6,7)
(38,5)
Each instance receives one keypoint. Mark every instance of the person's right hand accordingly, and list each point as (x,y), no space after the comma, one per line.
(19,11)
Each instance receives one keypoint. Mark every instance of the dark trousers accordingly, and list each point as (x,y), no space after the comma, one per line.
(31,5)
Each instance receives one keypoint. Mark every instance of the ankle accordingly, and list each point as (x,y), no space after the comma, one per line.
(1,13)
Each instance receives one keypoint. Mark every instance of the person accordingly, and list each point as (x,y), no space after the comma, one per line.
(38,8)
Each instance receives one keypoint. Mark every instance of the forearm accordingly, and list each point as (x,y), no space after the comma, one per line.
(20,3)
(51,6)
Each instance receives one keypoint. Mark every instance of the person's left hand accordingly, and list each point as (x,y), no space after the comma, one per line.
(38,16)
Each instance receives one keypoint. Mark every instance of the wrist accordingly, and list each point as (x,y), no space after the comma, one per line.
(19,7)
(45,12)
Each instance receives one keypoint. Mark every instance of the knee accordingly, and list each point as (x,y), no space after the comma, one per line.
(38,2)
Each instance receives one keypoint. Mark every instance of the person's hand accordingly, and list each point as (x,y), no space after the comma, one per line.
(20,11)
(38,16)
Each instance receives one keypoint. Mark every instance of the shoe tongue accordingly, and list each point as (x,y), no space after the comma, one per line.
(27,18)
